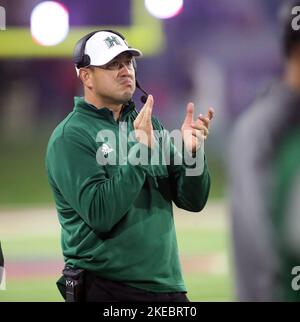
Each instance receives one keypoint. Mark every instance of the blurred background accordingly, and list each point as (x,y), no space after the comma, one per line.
(216,53)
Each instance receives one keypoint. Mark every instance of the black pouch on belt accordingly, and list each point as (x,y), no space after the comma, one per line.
(74,284)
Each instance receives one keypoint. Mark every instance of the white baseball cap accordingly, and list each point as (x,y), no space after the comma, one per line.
(103,46)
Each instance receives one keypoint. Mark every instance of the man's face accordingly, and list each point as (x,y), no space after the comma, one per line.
(115,81)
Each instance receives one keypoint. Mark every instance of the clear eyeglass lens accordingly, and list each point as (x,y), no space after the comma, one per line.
(116,65)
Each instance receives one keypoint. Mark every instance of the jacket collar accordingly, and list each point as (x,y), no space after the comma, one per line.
(80,105)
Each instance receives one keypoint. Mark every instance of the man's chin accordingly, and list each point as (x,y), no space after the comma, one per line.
(126,97)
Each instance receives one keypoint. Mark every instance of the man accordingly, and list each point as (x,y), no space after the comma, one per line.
(118,233)
(261,185)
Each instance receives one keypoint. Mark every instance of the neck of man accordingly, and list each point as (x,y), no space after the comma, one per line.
(292,75)
(116,108)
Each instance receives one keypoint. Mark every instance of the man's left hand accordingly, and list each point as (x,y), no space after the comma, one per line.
(194,132)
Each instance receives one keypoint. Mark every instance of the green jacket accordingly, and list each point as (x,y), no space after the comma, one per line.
(117,220)
(286,214)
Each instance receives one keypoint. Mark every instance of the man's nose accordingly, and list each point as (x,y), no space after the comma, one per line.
(124,69)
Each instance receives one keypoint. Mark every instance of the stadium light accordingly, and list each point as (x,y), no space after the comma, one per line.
(164,9)
(49,23)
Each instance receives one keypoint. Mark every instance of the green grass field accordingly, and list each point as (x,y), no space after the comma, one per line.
(31,236)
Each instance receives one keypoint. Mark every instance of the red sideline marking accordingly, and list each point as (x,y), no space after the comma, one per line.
(33,268)
(53,267)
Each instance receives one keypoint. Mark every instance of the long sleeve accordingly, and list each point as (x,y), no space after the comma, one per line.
(189,178)
(83,183)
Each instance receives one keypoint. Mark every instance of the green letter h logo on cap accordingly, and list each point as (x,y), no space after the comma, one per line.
(111,41)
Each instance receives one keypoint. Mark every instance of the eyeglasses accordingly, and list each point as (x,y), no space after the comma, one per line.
(118,64)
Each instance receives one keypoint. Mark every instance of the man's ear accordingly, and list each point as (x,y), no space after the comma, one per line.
(85,77)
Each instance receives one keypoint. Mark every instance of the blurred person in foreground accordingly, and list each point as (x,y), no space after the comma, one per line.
(118,234)
(264,167)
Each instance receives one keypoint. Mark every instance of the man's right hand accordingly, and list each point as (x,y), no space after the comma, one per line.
(143,125)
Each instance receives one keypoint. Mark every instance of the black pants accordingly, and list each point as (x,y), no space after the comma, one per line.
(101,290)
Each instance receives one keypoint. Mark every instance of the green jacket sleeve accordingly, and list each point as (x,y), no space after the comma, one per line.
(100,201)
(189,177)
